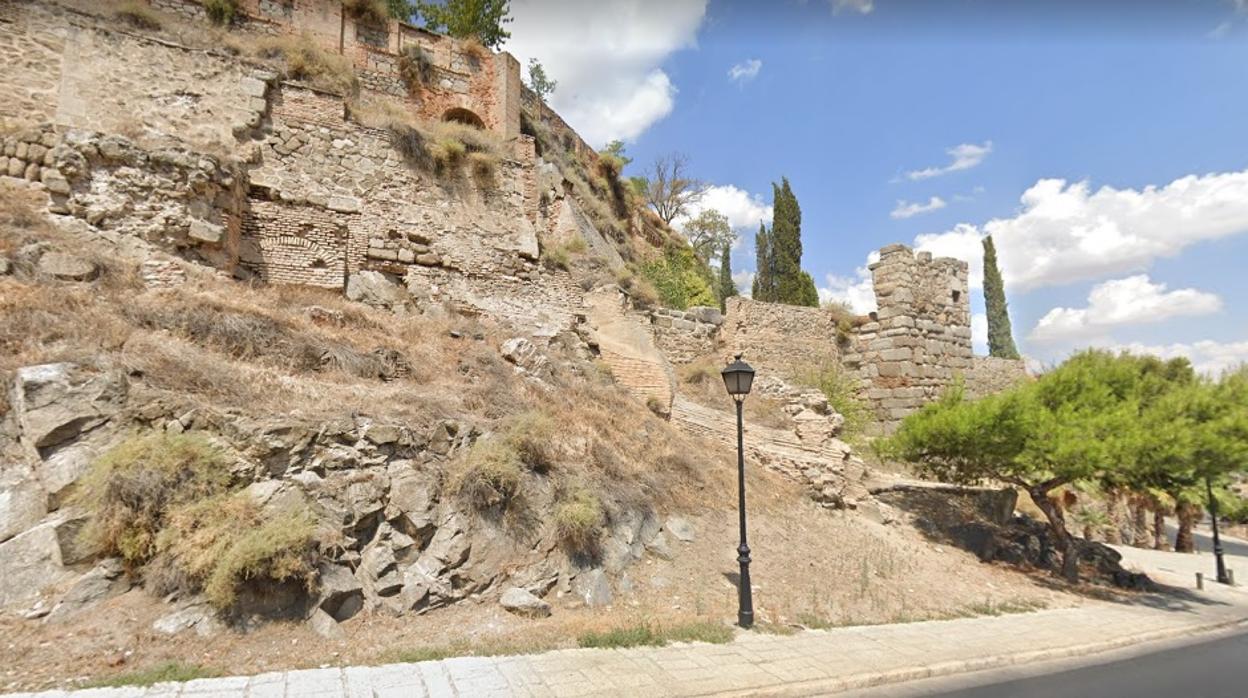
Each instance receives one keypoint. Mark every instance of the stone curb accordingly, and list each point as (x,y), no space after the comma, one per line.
(855,682)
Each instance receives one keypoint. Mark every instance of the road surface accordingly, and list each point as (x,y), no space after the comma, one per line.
(1203,669)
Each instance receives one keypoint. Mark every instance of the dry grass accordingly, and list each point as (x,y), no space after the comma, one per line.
(131,489)
(221,12)
(367,11)
(578,523)
(414,67)
(305,60)
(489,476)
(220,543)
(138,15)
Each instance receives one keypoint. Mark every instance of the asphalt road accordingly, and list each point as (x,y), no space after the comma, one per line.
(1210,669)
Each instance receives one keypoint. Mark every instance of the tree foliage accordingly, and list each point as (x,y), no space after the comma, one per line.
(539,82)
(778,250)
(482,20)
(1000,336)
(681,279)
(726,288)
(670,191)
(616,150)
(709,233)
(1118,421)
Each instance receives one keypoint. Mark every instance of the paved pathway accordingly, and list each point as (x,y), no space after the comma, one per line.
(809,663)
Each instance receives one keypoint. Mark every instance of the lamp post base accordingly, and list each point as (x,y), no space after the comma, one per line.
(745,591)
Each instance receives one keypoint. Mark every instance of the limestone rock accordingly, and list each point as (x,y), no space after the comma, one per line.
(525,356)
(203,231)
(23,502)
(522,603)
(6,267)
(342,596)
(324,625)
(195,614)
(104,581)
(660,547)
(375,289)
(29,564)
(67,267)
(681,528)
(593,587)
(706,314)
(55,403)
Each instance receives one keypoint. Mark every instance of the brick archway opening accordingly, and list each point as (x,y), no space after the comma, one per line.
(463,116)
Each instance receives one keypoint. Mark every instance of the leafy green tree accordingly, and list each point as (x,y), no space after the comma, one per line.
(764,287)
(1074,424)
(1000,336)
(727,287)
(401,9)
(616,150)
(539,82)
(709,233)
(680,278)
(482,20)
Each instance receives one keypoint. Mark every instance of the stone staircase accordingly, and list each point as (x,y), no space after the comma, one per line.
(628,348)
(829,470)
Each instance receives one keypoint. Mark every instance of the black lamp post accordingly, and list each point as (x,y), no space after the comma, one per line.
(738,376)
(1223,577)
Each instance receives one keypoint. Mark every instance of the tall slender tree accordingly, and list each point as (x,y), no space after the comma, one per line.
(764,288)
(786,244)
(1000,336)
(727,287)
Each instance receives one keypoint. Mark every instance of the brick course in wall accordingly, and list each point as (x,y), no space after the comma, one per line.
(286,243)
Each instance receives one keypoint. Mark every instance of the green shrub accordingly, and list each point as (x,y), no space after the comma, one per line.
(557,258)
(841,390)
(161,673)
(218,544)
(132,488)
(578,521)
(221,12)
(137,14)
(489,476)
(680,278)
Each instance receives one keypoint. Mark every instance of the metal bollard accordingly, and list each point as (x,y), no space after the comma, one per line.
(1200,580)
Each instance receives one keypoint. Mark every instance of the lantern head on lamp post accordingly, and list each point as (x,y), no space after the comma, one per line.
(738,377)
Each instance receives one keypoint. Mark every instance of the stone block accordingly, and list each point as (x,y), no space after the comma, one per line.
(205,232)
(343,204)
(428,260)
(16,167)
(67,267)
(253,87)
(406,256)
(898,354)
(33,172)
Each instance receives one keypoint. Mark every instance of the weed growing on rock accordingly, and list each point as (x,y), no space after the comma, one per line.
(367,11)
(221,12)
(489,476)
(138,15)
(841,390)
(531,435)
(307,61)
(578,521)
(132,488)
(218,544)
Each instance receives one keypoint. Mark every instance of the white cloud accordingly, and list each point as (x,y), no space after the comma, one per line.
(979,333)
(965,156)
(744,281)
(606,57)
(743,209)
(745,71)
(862,7)
(1220,31)
(856,290)
(1065,232)
(906,209)
(1207,356)
(1134,300)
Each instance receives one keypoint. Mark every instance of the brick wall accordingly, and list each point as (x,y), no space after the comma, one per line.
(285,243)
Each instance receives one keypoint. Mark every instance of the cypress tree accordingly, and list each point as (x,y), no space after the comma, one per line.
(1000,336)
(786,244)
(764,278)
(809,295)
(726,287)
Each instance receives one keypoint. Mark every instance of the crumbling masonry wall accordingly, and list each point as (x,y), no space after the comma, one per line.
(919,339)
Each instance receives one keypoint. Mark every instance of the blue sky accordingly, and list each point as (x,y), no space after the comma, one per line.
(1104,144)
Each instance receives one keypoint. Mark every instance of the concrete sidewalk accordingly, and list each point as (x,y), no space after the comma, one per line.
(809,663)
